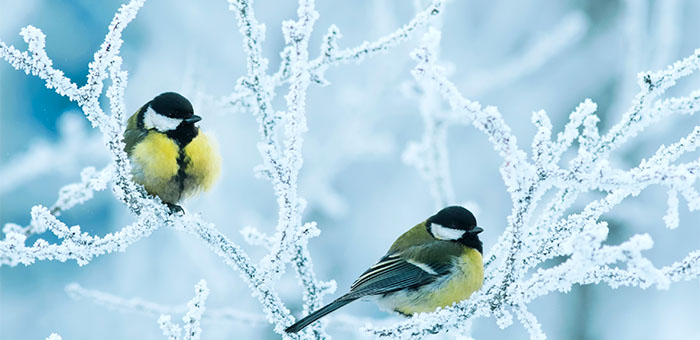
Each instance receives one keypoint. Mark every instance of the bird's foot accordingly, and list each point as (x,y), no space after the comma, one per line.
(175,209)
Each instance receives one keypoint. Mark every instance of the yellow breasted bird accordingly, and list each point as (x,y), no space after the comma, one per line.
(169,156)
(434,264)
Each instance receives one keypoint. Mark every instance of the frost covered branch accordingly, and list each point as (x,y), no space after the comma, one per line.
(192,318)
(78,193)
(76,245)
(430,155)
(68,197)
(282,160)
(282,154)
(330,55)
(150,213)
(532,239)
(538,229)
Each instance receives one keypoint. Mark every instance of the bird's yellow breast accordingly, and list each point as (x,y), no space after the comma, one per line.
(203,164)
(158,163)
(156,157)
(468,276)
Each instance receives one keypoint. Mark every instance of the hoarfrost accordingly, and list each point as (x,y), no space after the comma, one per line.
(281,156)
(530,239)
(538,230)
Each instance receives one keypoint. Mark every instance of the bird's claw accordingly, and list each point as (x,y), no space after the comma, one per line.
(175,209)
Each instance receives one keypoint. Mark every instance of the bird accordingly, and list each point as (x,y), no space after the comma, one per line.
(434,264)
(169,154)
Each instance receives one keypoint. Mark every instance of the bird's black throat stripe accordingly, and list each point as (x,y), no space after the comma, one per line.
(181,166)
(184,134)
(472,241)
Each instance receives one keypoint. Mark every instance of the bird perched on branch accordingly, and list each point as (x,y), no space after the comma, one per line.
(434,264)
(169,156)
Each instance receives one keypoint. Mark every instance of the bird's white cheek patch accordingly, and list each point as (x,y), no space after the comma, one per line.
(152,120)
(443,233)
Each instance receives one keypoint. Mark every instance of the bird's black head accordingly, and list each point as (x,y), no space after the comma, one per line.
(455,223)
(172,114)
(173,105)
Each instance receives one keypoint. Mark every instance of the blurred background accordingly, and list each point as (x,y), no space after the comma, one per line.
(520,56)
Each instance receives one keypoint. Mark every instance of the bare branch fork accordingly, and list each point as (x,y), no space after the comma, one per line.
(330,55)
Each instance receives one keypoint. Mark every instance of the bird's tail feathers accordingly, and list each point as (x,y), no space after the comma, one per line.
(299,325)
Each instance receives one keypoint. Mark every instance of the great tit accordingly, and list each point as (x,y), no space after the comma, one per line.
(434,264)
(169,156)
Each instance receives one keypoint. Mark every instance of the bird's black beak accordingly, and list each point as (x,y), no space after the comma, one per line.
(475,230)
(193,119)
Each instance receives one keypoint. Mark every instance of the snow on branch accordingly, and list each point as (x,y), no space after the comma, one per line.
(430,155)
(74,194)
(191,320)
(149,211)
(76,245)
(330,55)
(532,239)
(281,153)
(69,196)
(282,159)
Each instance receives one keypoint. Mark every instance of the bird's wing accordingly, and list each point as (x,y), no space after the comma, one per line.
(393,273)
(133,133)
(406,268)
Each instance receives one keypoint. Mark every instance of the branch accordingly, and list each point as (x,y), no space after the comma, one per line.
(330,56)
(578,236)
(191,319)
(78,193)
(76,245)
(68,197)
(237,259)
